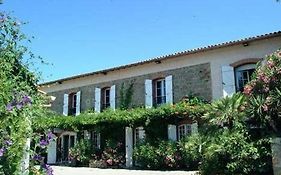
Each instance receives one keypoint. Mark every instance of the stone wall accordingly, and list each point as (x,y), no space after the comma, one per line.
(194,80)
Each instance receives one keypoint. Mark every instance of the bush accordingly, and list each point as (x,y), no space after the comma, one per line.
(112,156)
(191,149)
(82,152)
(166,155)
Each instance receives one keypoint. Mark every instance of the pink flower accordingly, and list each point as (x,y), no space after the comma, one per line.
(265,108)
(248,89)
(266,89)
(264,78)
(109,161)
(270,63)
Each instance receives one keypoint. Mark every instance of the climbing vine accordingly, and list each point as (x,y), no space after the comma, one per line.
(126,95)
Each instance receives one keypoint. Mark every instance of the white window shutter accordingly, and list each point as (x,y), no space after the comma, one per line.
(65,104)
(169,89)
(129,146)
(228,82)
(148,93)
(78,102)
(112,97)
(172,132)
(52,152)
(194,128)
(97,99)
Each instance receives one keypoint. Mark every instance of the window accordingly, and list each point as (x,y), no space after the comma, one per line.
(95,137)
(184,130)
(139,135)
(72,104)
(243,75)
(105,98)
(159,93)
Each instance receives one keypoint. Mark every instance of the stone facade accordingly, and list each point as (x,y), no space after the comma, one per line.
(194,80)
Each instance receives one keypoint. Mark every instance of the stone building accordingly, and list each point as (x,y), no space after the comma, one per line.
(209,72)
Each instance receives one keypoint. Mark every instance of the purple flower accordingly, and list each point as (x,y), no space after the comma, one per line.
(19,105)
(26,100)
(43,142)
(8,142)
(2,151)
(9,107)
(50,135)
(37,158)
(48,169)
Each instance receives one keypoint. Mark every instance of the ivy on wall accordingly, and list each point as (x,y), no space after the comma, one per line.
(131,117)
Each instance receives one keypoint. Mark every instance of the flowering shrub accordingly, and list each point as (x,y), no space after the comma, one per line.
(82,152)
(264,93)
(166,155)
(112,156)
(20,101)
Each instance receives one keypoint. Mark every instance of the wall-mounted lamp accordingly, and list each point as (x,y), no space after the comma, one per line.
(158,62)
(245,44)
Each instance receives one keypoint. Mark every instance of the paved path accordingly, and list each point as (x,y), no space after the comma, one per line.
(59,170)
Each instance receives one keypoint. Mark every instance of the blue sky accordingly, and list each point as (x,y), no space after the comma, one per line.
(90,35)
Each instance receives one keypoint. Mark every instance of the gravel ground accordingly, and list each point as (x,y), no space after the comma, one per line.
(59,170)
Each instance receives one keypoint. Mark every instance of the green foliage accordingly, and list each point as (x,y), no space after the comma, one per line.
(19,98)
(226,143)
(126,95)
(166,155)
(82,151)
(227,112)
(113,155)
(264,93)
(132,117)
(191,149)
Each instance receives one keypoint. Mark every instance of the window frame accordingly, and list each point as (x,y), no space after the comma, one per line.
(184,130)
(137,139)
(159,99)
(249,69)
(105,98)
(72,103)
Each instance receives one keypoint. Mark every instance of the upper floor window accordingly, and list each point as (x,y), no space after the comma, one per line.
(72,104)
(159,93)
(105,96)
(243,75)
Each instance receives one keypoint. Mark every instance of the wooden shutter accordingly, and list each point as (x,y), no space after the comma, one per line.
(172,132)
(78,102)
(97,99)
(65,104)
(194,128)
(112,97)
(148,93)
(228,81)
(52,152)
(169,89)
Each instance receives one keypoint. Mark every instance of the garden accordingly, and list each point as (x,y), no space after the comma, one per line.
(234,133)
